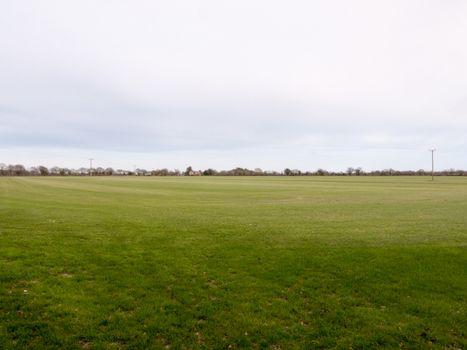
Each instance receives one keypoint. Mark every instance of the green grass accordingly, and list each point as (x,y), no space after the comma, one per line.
(230,263)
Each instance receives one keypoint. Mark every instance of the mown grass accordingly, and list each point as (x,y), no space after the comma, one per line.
(229,263)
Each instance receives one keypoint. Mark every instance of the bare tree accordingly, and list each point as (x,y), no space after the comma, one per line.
(43,170)
(108,171)
(188,170)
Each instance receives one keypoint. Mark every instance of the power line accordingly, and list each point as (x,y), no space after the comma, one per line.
(90,166)
(432,163)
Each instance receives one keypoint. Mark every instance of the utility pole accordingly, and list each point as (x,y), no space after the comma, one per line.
(90,166)
(432,163)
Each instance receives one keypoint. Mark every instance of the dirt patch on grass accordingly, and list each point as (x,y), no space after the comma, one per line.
(85,344)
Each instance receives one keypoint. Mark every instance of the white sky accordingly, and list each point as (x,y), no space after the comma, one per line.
(270,84)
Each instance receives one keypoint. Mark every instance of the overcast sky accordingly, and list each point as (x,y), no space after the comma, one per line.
(255,83)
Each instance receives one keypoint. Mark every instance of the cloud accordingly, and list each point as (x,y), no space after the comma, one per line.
(218,77)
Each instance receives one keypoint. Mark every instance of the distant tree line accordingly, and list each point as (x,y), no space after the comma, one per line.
(20,170)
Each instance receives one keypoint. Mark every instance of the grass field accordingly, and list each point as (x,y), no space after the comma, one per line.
(229,263)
